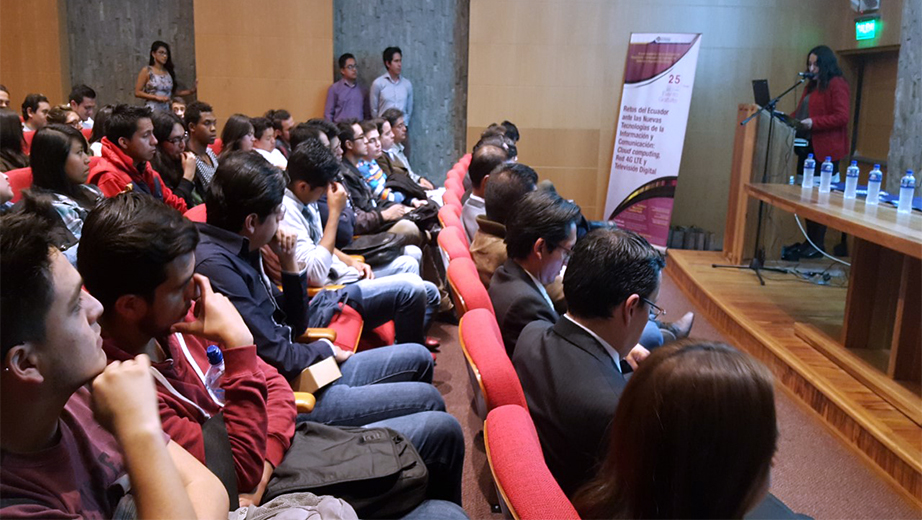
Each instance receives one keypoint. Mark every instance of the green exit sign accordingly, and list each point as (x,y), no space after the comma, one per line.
(866,29)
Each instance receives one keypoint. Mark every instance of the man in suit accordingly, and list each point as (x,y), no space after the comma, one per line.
(571,371)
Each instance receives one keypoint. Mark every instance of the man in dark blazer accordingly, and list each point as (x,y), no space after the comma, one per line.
(571,371)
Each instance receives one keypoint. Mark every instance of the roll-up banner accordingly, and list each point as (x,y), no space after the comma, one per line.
(658,79)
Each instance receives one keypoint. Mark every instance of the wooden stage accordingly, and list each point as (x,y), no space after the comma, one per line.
(761,321)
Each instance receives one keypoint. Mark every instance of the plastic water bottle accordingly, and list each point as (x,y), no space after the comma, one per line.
(809,169)
(826,175)
(907,187)
(851,180)
(874,179)
(215,371)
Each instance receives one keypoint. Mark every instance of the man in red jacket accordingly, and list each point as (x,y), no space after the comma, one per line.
(127,149)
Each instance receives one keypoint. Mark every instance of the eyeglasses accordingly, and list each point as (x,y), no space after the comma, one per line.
(350,67)
(567,252)
(655,310)
(178,140)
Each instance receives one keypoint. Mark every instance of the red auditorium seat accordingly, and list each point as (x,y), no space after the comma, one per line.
(450,216)
(87,133)
(465,160)
(217,146)
(197,214)
(27,141)
(465,285)
(455,185)
(493,376)
(450,199)
(20,179)
(525,485)
(454,243)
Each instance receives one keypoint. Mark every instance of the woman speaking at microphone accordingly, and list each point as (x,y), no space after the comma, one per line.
(823,111)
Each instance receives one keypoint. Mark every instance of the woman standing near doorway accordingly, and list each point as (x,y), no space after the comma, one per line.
(156,82)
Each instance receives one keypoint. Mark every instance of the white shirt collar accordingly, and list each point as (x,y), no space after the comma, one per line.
(480,199)
(540,286)
(608,348)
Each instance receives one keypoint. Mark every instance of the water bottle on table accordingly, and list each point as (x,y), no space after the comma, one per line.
(907,188)
(874,179)
(851,180)
(809,169)
(826,175)
(215,371)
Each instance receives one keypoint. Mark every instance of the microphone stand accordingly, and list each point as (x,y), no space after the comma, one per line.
(757,264)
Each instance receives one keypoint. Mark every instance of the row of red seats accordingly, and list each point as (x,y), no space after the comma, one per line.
(524,483)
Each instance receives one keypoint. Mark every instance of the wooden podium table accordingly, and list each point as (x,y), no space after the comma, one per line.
(883,309)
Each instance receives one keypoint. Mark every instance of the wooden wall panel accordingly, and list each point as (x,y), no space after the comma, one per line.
(254,56)
(32,54)
(875,122)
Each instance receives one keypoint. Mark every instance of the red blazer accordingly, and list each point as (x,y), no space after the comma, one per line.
(115,170)
(829,109)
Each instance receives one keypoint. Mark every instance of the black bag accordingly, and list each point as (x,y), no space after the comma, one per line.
(376,470)
(378,249)
(404,184)
(426,217)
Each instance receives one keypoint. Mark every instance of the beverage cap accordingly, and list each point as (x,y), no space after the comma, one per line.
(809,156)
(876,166)
(854,163)
(829,158)
(215,355)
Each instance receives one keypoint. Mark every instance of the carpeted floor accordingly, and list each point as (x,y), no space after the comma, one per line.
(814,473)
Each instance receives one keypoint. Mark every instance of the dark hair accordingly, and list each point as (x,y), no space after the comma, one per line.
(127,242)
(493,129)
(11,140)
(345,57)
(693,437)
(392,115)
(608,266)
(236,127)
(539,215)
(101,123)
(260,125)
(169,169)
(511,150)
(58,114)
(368,125)
(506,188)
(345,129)
(4,89)
(313,163)
(26,283)
(497,140)
(169,60)
(277,117)
(193,113)
(123,122)
(50,149)
(325,126)
(512,131)
(244,183)
(484,161)
(32,101)
(79,92)
(827,64)
(178,99)
(302,132)
(389,54)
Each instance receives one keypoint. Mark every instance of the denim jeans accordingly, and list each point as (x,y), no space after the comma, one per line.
(438,438)
(378,384)
(651,337)
(436,509)
(404,298)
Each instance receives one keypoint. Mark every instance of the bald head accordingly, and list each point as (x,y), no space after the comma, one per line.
(485,160)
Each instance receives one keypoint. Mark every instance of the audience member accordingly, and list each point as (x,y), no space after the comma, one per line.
(244,209)
(373,174)
(4,97)
(201,127)
(156,83)
(283,123)
(304,131)
(34,112)
(11,154)
(99,129)
(512,131)
(63,115)
(332,133)
(483,162)
(346,98)
(237,136)
(66,452)
(327,132)
(127,149)
(172,161)
(391,90)
(396,151)
(82,100)
(693,437)
(571,370)
(178,106)
(60,166)
(264,142)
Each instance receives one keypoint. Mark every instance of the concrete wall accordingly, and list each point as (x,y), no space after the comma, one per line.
(433,35)
(906,137)
(110,42)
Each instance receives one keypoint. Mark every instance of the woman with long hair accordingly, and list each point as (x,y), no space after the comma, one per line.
(172,161)
(156,82)
(237,135)
(60,166)
(11,156)
(693,437)
(99,129)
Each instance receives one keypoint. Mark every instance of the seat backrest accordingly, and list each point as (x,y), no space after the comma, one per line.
(87,133)
(27,141)
(525,484)
(482,344)
(450,217)
(454,243)
(197,213)
(450,199)
(465,161)
(217,146)
(20,179)
(465,285)
(455,185)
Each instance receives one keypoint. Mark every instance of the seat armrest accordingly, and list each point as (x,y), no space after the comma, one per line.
(305,402)
(311,335)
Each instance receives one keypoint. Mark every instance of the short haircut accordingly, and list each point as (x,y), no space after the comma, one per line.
(260,125)
(123,122)
(79,92)
(277,117)
(4,89)
(194,112)
(512,131)
(32,101)
(493,129)
(346,133)
(506,188)
(302,132)
(368,125)
(178,100)
(26,284)
(345,57)
(607,266)
(483,162)
(313,163)
(392,115)
(325,126)
(491,140)
(389,54)
(244,184)
(58,114)
(539,215)
(511,150)
(126,244)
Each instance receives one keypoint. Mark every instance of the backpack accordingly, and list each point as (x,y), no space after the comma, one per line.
(378,249)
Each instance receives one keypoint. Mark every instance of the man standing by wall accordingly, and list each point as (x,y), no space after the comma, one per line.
(391,90)
(345,98)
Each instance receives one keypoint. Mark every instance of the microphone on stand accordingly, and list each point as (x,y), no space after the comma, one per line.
(806,75)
